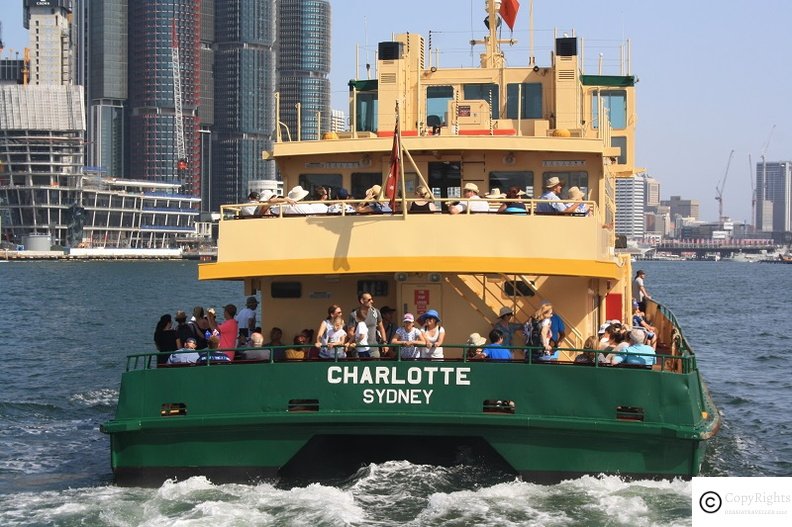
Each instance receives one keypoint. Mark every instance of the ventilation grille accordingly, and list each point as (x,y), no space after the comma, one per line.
(566,75)
(388,78)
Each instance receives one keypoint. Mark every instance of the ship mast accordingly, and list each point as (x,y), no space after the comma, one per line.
(492,56)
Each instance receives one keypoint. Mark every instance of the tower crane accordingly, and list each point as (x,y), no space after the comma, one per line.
(181,149)
(719,188)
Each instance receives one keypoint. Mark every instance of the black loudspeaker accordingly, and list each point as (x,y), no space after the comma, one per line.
(566,47)
(390,50)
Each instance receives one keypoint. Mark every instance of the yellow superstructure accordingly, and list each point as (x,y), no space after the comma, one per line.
(493,126)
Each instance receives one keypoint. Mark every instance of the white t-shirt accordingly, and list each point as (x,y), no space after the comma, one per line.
(476,204)
(361,336)
(244,317)
(430,352)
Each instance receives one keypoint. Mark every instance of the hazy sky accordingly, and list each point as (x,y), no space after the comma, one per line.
(713,75)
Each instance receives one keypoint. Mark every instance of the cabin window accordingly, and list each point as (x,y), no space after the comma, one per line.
(531,95)
(615,101)
(484,92)
(506,180)
(437,99)
(286,289)
(445,179)
(367,107)
(377,288)
(311,182)
(620,142)
(362,181)
(570,179)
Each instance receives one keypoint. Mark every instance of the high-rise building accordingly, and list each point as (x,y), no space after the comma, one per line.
(244,97)
(163,97)
(774,196)
(49,41)
(630,199)
(338,121)
(303,66)
(104,61)
(652,193)
(686,208)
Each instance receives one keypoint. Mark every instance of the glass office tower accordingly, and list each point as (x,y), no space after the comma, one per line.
(303,65)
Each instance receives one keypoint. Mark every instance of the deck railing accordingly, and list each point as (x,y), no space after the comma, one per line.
(467,354)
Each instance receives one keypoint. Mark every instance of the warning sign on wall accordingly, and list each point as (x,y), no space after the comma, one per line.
(421,301)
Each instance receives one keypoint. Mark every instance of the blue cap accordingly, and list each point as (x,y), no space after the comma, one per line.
(342,193)
(430,313)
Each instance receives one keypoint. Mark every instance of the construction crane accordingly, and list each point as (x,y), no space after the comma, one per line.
(719,189)
(181,150)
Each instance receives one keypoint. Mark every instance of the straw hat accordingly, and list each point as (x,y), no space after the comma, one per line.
(297,193)
(373,192)
(476,340)
(552,182)
(575,193)
(471,186)
(495,193)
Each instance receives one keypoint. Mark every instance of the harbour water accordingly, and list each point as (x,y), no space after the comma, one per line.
(69,325)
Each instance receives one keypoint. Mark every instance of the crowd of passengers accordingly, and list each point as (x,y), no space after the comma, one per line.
(268,203)
(371,333)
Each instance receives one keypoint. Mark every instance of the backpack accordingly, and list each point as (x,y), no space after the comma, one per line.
(200,338)
(533,333)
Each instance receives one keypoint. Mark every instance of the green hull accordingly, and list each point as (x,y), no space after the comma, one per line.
(241,421)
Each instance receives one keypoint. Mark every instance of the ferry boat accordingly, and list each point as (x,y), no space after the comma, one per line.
(446,129)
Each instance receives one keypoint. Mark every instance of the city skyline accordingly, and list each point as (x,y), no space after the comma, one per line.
(685,135)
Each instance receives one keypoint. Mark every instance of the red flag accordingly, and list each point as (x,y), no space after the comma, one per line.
(392,183)
(508,12)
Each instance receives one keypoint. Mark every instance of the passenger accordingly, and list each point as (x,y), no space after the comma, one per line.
(188,354)
(408,337)
(376,330)
(296,195)
(276,341)
(246,318)
(513,207)
(615,342)
(387,322)
(506,327)
(253,208)
(538,334)
(199,326)
(268,201)
(298,352)
(229,329)
(557,327)
(165,338)
(338,208)
(639,292)
(575,194)
(474,346)
(424,204)
(588,356)
(335,341)
(470,199)
(371,202)
(183,331)
(495,350)
(639,321)
(326,328)
(213,343)
(637,352)
(433,334)
(360,334)
(553,204)
(321,194)
(257,350)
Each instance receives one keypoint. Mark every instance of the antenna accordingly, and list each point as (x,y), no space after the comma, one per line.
(719,188)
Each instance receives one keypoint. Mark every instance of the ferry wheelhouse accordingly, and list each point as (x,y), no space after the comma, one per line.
(495,127)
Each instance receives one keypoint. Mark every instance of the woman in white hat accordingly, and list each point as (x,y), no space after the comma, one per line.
(551,203)
(575,194)
(296,195)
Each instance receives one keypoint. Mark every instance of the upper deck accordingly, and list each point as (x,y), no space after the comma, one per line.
(495,127)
